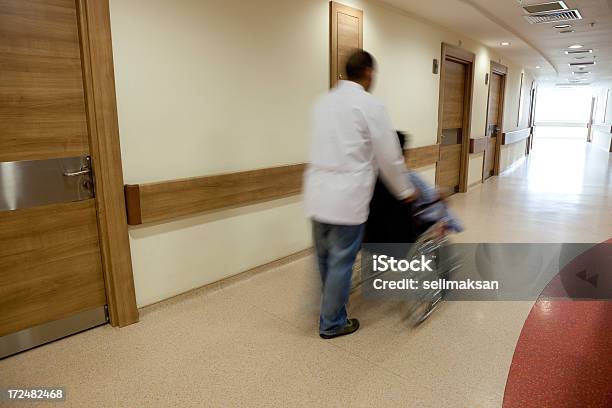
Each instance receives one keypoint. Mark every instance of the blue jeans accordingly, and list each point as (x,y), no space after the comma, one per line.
(336,247)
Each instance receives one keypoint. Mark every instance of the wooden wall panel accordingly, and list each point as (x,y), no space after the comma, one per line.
(495,103)
(495,119)
(454,95)
(348,40)
(489,158)
(454,114)
(166,200)
(50,265)
(498,68)
(346,36)
(447,174)
(42,105)
(422,156)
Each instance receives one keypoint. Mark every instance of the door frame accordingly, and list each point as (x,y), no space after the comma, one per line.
(533,94)
(589,138)
(93,17)
(467,58)
(502,70)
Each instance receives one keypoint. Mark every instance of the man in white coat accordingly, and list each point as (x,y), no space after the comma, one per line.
(353,141)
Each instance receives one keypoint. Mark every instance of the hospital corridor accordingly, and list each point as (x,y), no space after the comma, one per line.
(306,203)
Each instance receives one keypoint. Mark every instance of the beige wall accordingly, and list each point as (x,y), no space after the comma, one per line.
(511,154)
(405,47)
(205,87)
(475,168)
(602,140)
(215,86)
(603,109)
(603,114)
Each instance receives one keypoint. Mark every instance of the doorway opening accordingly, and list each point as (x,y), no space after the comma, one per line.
(563,112)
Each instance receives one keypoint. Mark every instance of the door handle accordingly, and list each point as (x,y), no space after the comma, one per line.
(85,169)
(87,183)
(77,173)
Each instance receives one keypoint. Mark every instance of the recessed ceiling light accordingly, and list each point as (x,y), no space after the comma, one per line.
(575,46)
(560,26)
(504,43)
(538,67)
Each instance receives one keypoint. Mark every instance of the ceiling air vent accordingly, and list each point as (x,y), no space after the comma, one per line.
(553,17)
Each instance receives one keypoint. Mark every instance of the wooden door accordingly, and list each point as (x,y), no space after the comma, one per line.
(346,36)
(494,121)
(50,258)
(454,123)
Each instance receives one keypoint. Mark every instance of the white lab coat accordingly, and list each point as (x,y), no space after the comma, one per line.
(352,140)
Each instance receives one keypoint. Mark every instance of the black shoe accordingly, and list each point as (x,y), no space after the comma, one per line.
(351,327)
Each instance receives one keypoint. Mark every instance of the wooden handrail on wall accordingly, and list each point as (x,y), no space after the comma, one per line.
(154,202)
(162,201)
(516,136)
(422,156)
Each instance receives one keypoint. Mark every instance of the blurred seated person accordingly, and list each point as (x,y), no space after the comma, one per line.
(396,221)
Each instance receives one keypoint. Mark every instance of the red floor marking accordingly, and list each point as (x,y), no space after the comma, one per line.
(563,357)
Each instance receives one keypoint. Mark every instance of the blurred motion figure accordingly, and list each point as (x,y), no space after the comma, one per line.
(352,143)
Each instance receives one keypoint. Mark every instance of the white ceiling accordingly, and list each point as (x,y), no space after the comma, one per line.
(494,21)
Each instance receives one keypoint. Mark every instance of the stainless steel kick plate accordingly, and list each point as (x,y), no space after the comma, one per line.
(32,183)
(35,336)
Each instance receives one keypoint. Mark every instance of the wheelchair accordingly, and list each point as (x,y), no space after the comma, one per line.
(433,241)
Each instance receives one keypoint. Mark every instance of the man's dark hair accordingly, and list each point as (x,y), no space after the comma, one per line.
(357,64)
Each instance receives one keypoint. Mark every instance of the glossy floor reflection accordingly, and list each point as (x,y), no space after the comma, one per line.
(255,342)
(561,193)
